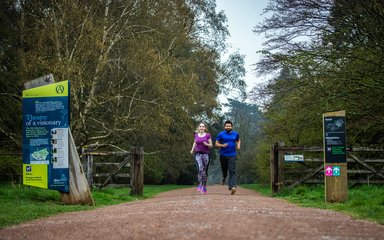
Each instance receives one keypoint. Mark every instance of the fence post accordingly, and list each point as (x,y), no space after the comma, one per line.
(274,156)
(277,166)
(137,179)
(89,169)
(280,171)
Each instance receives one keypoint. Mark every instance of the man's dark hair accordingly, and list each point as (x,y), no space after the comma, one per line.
(228,122)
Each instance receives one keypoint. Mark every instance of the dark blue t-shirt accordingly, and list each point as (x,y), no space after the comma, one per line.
(231,138)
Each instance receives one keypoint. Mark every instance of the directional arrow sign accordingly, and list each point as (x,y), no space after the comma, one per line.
(336,171)
(328,171)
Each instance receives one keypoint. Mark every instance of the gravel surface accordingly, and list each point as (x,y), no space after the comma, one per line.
(186,214)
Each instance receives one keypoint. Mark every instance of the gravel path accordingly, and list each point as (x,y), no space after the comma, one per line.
(185,214)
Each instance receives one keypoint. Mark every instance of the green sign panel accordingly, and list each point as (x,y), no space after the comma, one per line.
(334,139)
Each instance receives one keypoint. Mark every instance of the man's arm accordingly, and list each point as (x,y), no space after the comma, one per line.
(238,143)
(218,144)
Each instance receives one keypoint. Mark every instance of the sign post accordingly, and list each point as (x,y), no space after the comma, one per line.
(50,158)
(45,136)
(335,161)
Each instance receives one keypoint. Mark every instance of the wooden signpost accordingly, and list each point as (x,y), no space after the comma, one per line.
(335,161)
(77,190)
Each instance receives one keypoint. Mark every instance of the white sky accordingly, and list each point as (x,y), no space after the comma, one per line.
(243,16)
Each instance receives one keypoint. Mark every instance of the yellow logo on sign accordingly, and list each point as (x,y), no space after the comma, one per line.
(35,175)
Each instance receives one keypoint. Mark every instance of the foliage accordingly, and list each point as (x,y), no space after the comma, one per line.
(10,168)
(262,164)
(141,72)
(153,170)
(10,100)
(336,67)
(233,68)
(328,56)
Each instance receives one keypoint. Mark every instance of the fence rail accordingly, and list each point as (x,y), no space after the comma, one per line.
(365,165)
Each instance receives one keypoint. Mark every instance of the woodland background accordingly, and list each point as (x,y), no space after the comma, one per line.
(146,72)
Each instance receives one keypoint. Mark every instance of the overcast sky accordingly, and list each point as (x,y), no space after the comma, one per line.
(242,16)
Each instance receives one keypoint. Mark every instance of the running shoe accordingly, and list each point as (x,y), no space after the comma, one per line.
(233,190)
(204,190)
(222,180)
(199,188)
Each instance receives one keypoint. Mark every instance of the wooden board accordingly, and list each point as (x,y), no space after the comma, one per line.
(336,187)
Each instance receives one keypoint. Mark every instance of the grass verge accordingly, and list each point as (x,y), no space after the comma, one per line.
(21,203)
(364,202)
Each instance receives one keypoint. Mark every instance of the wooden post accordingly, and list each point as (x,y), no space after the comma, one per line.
(137,179)
(89,170)
(336,188)
(277,167)
(274,156)
(79,192)
(335,163)
(280,167)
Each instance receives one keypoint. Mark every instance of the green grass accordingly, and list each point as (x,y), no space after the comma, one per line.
(22,203)
(364,202)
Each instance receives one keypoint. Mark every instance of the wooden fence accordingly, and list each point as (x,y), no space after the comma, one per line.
(365,166)
(129,170)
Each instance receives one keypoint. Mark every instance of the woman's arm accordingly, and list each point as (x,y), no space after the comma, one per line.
(209,144)
(193,146)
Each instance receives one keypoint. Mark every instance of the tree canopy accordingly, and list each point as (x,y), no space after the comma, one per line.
(141,72)
(333,50)
(328,56)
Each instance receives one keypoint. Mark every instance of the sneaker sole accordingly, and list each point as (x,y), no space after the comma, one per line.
(222,182)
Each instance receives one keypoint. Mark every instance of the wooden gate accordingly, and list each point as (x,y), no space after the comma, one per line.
(291,166)
(104,171)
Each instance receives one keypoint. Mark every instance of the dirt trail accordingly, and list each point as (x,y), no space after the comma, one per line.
(185,214)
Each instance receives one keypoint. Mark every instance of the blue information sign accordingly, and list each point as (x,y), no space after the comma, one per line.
(45,136)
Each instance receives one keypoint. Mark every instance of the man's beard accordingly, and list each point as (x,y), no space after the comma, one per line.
(228,130)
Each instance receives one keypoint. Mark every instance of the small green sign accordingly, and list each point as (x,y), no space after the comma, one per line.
(336,171)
